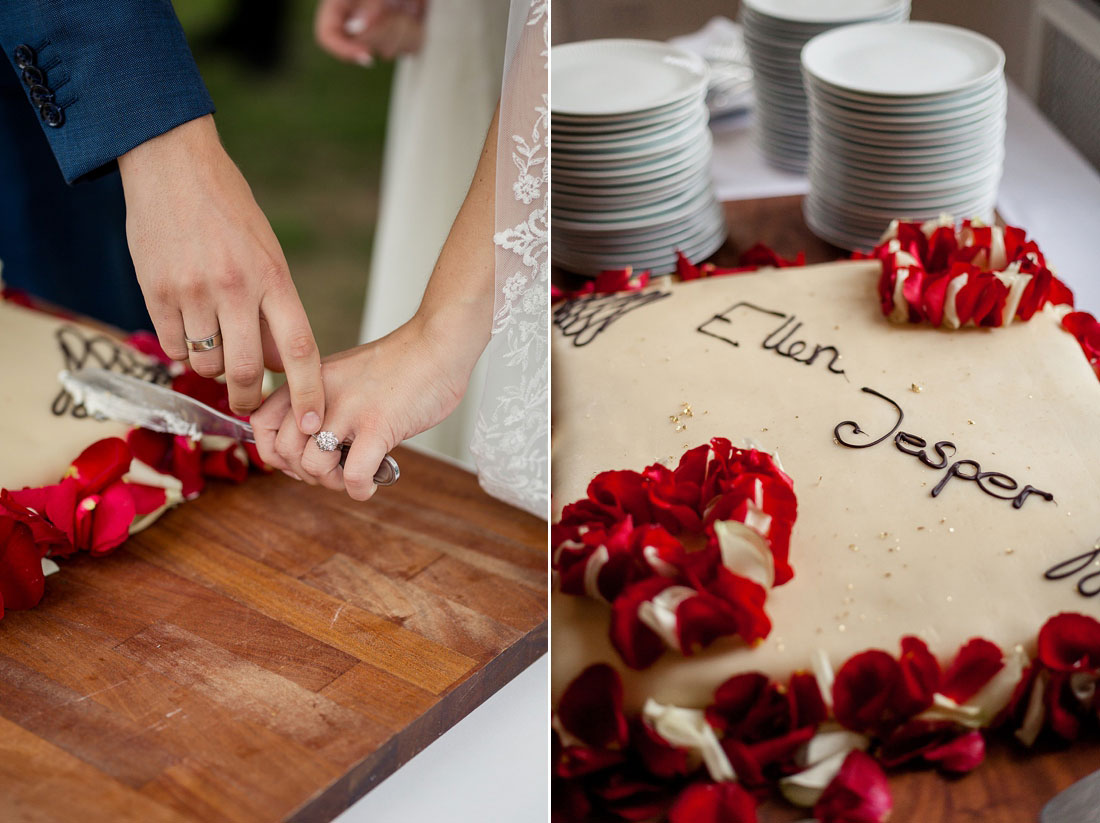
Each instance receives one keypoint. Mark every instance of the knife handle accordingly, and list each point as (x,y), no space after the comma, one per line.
(388,472)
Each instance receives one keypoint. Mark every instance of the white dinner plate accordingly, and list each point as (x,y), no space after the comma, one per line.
(617,122)
(662,165)
(903,59)
(910,120)
(824,11)
(608,77)
(688,131)
(902,106)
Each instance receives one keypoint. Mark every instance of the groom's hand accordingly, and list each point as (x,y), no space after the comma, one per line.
(207,260)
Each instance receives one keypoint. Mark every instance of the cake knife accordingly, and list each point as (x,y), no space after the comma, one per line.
(109,395)
(1080,803)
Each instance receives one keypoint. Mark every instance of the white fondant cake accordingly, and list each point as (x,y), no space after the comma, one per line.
(39,430)
(875,555)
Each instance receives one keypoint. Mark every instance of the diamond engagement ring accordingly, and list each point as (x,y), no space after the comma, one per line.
(327,441)
(204,343)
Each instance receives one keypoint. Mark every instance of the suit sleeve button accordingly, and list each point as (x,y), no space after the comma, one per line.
(40,95)
(52,114)
(24,56)
(34,76)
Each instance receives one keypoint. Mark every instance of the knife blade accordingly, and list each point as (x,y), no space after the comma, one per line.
(110,395)
(1080,803)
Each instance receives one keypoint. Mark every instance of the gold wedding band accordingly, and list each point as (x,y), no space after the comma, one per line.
(204,343)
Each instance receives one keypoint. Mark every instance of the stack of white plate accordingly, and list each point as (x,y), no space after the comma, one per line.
(775,32)
(907,120)
(630,157)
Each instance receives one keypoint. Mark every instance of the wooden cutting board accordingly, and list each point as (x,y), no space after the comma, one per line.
(266,652)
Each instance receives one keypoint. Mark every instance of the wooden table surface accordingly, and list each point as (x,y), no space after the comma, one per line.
(1013,784)
(266,652)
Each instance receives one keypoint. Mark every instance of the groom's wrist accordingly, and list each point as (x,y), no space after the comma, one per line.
(173,151)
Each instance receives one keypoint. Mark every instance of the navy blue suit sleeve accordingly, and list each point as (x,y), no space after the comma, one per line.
(102,76)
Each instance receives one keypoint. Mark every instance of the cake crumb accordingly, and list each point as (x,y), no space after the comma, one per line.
(916,388)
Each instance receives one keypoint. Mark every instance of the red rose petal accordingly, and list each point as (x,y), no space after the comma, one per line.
(187,465)
(660,758)
(1070,642)
(21,580)
(858,794)
(151,448)
(742,701)
(863,688)
(114,512)
(713,803)
(636,643)
(591,709)
(51,540)
(960,755)
(807,704)
(147,499)
(225,464)
(101,464)
(974,666)
(920,677)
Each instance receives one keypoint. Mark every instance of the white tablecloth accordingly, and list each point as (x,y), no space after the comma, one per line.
(493,765)
(1048,188)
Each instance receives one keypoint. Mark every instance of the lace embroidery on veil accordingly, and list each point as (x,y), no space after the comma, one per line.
(511,435)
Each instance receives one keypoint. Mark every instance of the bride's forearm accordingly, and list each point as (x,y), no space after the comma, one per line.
(456,311)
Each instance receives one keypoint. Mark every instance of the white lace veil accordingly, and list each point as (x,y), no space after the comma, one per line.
(510,444)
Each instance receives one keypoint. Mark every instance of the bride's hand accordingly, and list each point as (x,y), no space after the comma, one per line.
(359,30)
(377,395)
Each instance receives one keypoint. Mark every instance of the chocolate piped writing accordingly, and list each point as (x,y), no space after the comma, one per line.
(779,340)
(1076,565)
(79,349)
(915,446)
(584,318)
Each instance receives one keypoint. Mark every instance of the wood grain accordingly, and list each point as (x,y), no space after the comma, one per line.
(267,652)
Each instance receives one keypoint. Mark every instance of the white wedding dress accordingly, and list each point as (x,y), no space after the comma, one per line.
(511,441)
(443,101)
